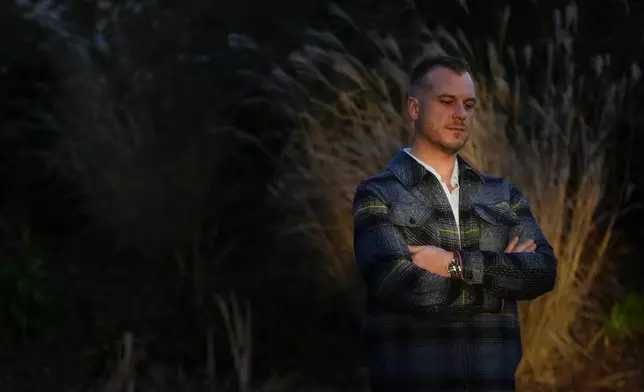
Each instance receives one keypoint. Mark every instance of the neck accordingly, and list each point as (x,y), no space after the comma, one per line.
(440,160)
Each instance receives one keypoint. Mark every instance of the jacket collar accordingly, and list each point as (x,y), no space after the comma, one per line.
(410,173)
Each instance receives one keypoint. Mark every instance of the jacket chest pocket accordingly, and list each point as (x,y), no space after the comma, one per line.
(495,222)
(418,223)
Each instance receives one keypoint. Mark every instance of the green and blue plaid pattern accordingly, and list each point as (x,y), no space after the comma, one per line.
(424,332)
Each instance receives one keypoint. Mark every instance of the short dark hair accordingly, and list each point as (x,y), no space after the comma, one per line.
(426,64)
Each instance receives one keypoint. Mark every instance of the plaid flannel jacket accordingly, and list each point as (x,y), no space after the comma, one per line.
(423,332)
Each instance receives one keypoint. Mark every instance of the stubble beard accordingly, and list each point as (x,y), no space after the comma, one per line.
(454,150)
(440,145)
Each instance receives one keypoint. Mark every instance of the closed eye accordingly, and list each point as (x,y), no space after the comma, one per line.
(469,105)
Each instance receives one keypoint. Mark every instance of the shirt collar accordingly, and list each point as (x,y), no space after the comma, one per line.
(409,172)
(454,178)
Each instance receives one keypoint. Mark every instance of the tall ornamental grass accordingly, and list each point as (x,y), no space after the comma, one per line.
(349,120)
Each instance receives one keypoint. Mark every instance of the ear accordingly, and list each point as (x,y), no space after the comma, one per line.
(413,108)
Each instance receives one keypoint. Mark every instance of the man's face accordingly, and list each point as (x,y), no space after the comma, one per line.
(442,108)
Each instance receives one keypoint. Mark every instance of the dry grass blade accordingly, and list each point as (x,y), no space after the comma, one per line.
(239,328)
(615,381)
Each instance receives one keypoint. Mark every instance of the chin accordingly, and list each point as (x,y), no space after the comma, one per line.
(454,146)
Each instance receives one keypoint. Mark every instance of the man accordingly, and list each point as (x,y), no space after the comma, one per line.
(446,252)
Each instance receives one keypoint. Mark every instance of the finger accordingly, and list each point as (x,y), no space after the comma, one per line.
(511,245)
(415,248)
(524,246)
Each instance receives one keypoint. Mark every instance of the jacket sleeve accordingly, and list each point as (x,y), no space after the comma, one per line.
(385,263)
(515,276)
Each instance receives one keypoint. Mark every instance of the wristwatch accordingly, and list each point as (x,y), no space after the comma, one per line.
(454,268)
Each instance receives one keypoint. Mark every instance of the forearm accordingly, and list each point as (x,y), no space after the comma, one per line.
(385,263)
(514,276)
(395,281)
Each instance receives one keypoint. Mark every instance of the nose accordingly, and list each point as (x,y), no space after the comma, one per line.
(460,112)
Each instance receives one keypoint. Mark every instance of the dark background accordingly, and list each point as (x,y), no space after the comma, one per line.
(97,239)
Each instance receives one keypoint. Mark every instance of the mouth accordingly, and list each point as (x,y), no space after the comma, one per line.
(456,128)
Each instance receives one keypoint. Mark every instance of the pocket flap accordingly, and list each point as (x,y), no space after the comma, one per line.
(410,215)
(496,214)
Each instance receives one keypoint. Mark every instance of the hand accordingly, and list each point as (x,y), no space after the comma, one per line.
(514,247)
(432,259)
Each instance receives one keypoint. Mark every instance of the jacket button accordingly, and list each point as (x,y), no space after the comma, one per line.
(412,221)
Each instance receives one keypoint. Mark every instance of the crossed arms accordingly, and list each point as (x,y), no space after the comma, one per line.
(393,277)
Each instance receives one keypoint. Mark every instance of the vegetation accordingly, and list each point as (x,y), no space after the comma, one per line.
(148,171)
(626,316)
